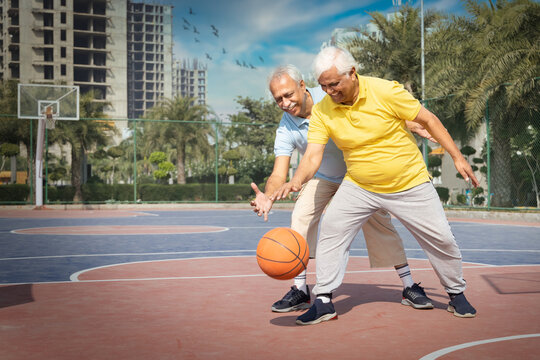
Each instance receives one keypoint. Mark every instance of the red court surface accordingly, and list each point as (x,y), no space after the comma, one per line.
(219,308)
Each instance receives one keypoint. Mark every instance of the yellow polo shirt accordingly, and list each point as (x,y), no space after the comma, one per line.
(380,152)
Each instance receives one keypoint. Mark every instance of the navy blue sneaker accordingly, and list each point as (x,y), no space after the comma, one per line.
(416,297)
(317,313)
(292,301)
(460,306)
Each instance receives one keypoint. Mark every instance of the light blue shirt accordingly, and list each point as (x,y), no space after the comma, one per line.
(292,134)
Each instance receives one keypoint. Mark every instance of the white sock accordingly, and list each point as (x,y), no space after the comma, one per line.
(405,275)
(300,281)
(324,299)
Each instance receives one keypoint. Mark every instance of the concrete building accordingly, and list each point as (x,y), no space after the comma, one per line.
(149,56)
(189,80)
(88,43)
(68,42)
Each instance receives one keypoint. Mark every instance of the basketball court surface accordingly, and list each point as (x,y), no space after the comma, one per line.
(185,284)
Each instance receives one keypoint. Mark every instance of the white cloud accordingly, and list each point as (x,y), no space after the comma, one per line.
(281,31)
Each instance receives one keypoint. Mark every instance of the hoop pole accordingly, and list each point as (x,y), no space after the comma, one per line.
(39,161)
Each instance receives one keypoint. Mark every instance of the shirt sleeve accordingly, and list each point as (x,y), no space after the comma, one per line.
(317,133)
(402,103)
(283,144)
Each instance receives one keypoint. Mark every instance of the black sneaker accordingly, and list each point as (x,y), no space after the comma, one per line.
(317,313)
(293,300)
(460,306)
(415,296)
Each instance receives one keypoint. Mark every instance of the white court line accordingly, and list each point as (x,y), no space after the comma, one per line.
(222,251)
(73,277)
(448,350)
(208,231)
(146,214)
(127,254)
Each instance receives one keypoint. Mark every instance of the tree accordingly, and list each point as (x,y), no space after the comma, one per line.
(11,151)
(115,152)
(189,135)
(501,42)
(83,136)
(524,148)
(395,53)
(164,167)
(264,115)
(251,135)
(13,130)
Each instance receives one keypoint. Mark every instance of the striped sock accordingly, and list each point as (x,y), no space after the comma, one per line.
(300,281)
(405,275)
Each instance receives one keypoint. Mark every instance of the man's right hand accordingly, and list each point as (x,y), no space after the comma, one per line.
(262,203)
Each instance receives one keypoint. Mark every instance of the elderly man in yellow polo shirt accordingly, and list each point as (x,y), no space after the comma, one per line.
(365,117)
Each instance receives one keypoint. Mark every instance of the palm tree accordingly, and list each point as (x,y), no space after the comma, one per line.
(492,59)
(189,136)
(13,130)
(82,135)
(394,54)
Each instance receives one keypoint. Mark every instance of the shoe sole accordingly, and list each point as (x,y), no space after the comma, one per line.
(302,306)
(408,302)
(325,317)
(451,309)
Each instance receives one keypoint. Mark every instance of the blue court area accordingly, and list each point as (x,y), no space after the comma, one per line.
(35,258)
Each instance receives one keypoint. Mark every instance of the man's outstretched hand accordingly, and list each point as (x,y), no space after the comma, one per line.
(262,203)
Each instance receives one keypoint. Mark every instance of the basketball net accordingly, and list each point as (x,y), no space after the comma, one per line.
(50,120)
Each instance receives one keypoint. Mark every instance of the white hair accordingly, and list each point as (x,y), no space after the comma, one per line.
(290,70)
(333,56)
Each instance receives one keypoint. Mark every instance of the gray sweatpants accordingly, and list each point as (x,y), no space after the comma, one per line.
(418,209)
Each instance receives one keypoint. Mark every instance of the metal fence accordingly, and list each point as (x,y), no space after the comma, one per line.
(137,160)
(503,149)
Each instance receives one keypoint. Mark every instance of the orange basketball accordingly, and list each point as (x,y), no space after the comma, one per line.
(282,253)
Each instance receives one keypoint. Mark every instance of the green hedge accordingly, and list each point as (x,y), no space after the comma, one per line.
(14,192)
(194,192)
(96,192)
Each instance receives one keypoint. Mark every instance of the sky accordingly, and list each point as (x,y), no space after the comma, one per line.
(265,34)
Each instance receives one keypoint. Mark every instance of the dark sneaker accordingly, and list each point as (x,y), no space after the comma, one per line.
(293,300)
(317,313)
(415,296)
(460,306)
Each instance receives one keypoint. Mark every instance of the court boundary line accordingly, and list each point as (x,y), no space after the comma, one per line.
(485,266)
(445,351)
(231,251)
(218,229)
(74,277)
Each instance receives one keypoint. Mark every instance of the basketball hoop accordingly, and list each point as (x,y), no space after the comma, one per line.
(50,120)
(46,103)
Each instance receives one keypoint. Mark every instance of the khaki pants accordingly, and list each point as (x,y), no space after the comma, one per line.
(385,248)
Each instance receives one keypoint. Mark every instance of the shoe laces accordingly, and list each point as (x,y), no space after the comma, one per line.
(294,294)
(418,288)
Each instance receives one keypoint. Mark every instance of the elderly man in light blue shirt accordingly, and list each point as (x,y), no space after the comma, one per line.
(385,247)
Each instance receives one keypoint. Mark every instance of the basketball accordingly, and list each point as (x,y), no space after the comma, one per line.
(282,253)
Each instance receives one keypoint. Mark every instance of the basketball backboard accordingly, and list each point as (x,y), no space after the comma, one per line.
(34,99)
(46,103)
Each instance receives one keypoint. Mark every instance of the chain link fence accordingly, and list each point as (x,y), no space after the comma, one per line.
(503,150)
(138,161)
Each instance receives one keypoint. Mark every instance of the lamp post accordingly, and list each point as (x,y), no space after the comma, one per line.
(423,77)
